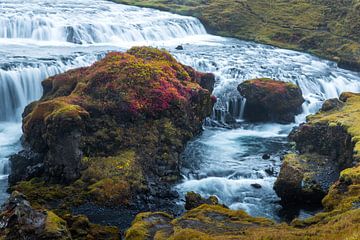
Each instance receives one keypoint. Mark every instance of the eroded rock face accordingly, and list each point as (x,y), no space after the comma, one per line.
(270,100)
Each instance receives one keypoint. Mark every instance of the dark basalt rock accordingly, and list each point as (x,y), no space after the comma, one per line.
(305,178)
(270,100)
(18,220)
(180,47)
(266,156)
(25,165)
(324,150)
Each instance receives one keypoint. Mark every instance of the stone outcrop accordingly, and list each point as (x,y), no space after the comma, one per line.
(305,178)
(270,100)
(327,144)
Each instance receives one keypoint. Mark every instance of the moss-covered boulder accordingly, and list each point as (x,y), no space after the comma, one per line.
(210,222)
(270,100)
(112,132)
(327,144)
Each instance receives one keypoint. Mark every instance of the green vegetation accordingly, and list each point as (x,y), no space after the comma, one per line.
(348,118)
(327,28)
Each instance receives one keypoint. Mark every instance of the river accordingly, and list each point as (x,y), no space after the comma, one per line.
(41,38)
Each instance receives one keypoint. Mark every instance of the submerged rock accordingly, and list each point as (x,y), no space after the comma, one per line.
(256,185)
(270,100)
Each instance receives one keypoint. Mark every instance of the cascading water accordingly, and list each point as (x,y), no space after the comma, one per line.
(40,38)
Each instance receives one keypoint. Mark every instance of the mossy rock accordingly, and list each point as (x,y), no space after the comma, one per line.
(271,100)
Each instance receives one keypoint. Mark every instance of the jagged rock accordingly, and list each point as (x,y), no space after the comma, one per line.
(25,165)
(266,156)
(18,220)
(180,47)
(270,100)
(193,200)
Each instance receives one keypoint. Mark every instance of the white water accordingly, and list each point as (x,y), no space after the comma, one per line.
(39,38)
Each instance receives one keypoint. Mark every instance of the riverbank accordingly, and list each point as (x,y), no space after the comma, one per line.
(323,28)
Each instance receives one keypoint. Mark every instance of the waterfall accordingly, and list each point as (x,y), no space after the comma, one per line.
(82,22)
(242,108)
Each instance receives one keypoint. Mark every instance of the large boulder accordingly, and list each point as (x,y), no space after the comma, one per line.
(270,100)
(193,200)
(112,132)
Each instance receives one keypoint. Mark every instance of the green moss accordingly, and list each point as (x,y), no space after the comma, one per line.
(348,117)
(55,225)
(110,191)
(142,224)
(351,175)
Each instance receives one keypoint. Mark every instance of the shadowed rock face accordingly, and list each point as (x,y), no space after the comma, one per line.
(270,100)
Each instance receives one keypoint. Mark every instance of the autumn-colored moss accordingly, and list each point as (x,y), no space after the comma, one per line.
(271,85)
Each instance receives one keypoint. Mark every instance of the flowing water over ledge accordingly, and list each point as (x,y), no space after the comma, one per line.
(40,38)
